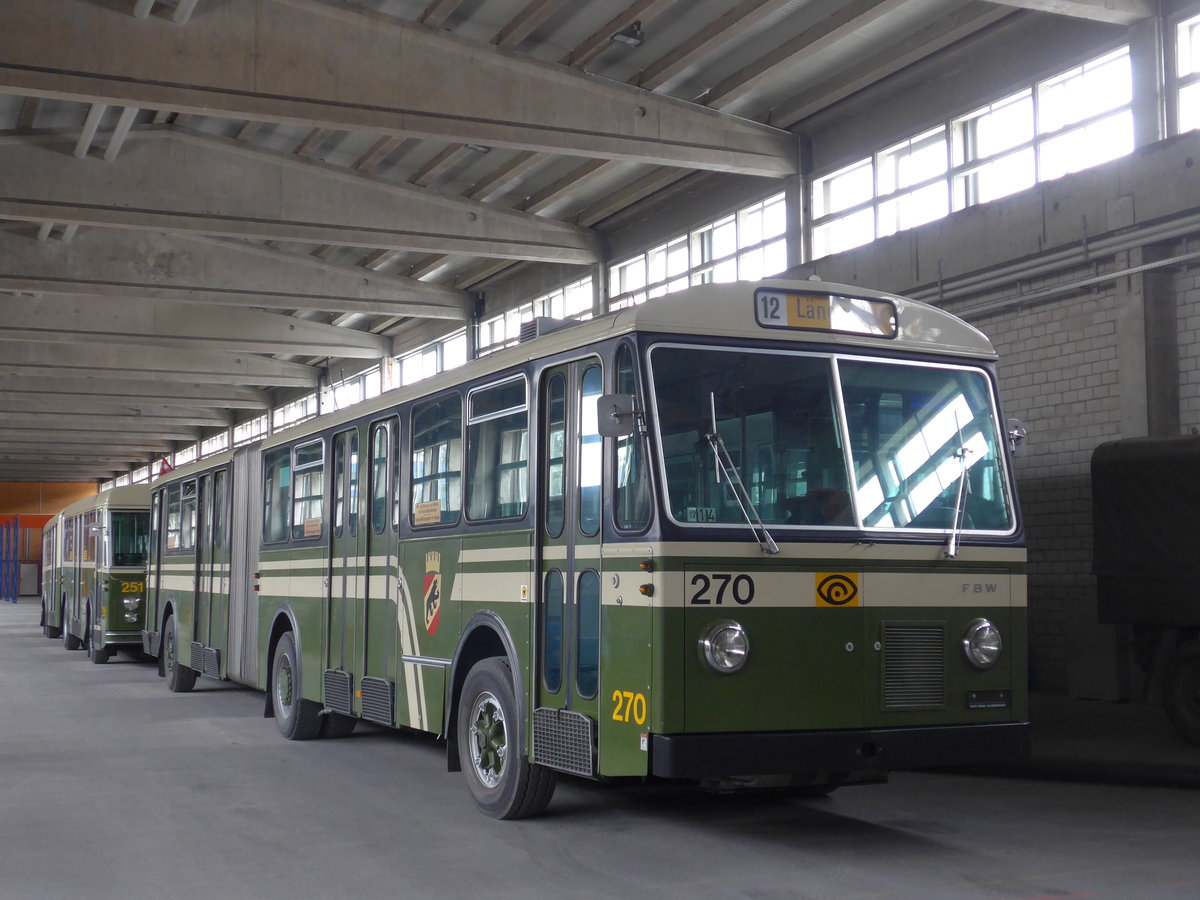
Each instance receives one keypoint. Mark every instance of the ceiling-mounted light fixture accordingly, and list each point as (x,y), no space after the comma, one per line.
(631,35)
(479,148)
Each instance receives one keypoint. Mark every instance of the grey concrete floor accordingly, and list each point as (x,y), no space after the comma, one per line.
(110,786)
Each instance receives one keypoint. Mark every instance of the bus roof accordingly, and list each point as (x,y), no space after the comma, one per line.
(725,310)
(134,496)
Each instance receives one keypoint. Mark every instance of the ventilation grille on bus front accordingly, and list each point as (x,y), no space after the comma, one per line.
(914,666)
(563,740)
(378,700)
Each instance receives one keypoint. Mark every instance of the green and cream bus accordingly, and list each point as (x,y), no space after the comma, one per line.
(94,572)
(743,534)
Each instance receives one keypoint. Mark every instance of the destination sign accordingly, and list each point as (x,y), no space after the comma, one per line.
(815,311)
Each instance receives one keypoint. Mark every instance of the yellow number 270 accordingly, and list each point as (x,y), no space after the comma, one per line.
(629,707)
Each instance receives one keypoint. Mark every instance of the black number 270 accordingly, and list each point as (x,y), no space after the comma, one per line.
(713,589)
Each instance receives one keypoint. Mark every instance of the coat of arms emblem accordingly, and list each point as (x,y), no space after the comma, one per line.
(433,591)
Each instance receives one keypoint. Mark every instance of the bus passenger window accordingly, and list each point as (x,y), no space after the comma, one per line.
(587,641)
(498,452)
(437,462)
(556,454)
(308,490)
(219,510)
(552,632)
(339,485)
(631,484)
(187,515)
(379,461)
(173,521)
(277,488)
(591,464)
(352,518)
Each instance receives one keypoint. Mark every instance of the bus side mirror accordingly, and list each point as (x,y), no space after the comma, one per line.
(1017,433)
(616,415)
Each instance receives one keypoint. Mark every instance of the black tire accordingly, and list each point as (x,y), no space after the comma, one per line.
(180,679)
(1183,691)
(491,746)
(49,630)
(69,640)
(298,719)
(335,725)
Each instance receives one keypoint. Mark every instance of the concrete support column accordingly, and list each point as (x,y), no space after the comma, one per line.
(599,288)
(473,321)
(1132,382)
(1162,347)
(799,208)
(1146,56)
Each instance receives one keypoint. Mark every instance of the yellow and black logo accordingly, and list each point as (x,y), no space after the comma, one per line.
(837,589)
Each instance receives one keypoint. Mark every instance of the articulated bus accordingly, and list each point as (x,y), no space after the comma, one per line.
(94,572)
(747,534)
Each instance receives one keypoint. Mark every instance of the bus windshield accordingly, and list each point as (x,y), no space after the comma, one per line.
(893,453)
(128,538)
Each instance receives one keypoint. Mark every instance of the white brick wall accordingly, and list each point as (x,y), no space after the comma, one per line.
(1058,374)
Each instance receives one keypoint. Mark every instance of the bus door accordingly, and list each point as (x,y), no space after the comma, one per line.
(153,573)
(346,557)
(90,583)
(212,559)
(568,645)
(204,573)
(218,611)
(379,638)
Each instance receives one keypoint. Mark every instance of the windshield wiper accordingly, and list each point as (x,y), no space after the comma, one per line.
(724,464)
(964,488)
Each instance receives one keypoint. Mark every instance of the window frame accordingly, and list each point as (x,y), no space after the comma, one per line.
(299,470)
(448,473)
(470,435)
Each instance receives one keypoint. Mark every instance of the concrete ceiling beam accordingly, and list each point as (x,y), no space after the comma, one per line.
(167,180)
(1114,12)
(271,60)
(197,269)
(136,320)
(129,390)
(83,360)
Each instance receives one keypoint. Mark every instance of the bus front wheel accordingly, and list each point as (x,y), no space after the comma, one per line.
(180,679)
(298,719)
(491,739)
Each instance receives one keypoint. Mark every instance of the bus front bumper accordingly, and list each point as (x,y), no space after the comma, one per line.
(806,752)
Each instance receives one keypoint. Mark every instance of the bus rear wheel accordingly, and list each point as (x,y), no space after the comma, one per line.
(297,719)
(491,746)
(180,679)
(49,630)
(1183,691)
(69,640)
(336,725)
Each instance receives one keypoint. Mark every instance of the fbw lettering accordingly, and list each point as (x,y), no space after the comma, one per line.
(977,588)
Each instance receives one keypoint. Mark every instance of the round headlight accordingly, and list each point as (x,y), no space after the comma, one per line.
(131,602)
(725,647)
(982,644)
(130,617)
